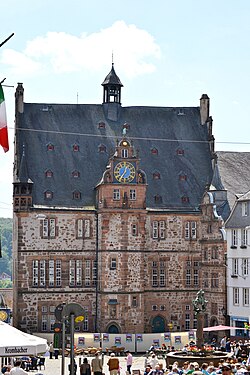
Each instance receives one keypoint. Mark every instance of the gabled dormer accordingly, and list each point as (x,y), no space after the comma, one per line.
(123,184)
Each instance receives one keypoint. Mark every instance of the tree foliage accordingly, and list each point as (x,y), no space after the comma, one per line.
(6,246)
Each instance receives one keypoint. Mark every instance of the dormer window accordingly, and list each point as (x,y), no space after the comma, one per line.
(183,177)
(180,151)
(76,174)
(158,198)
(50,147)
(126,126)
(156,176)
(154,151)
(48,195)
(102,148)
(185,199)
(101,125)
(49,174)
(76,147)
(76,195)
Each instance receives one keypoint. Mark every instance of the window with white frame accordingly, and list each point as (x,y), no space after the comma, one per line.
(44,309)
(78,272)
(42,272)
(235,266)
(71,273)
(35,273)
(87,272)
(236,298)
(158,229)
(94,273)
(234,239)
(132,194)
(188,277)
(245,266)
(134,301)
(244,237)
(245,297)
(244,206)
(51,322)
(196,277)
(83,228)
(190,232)
(162,276)
(116,194)
(51,273)
(58,272)
(49,228)
(154,277)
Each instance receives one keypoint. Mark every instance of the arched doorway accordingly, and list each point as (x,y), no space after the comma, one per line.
(113,328)
(158,324)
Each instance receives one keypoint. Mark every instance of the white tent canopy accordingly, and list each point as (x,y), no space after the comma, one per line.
(15,343)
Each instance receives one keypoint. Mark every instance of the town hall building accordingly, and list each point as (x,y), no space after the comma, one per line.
(117,209)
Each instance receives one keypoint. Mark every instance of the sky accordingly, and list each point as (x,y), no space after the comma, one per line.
(166,53)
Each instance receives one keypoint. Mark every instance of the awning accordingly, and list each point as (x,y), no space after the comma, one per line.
(220,328)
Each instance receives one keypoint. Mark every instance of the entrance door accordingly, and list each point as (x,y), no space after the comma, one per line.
(158,325)
(113,329)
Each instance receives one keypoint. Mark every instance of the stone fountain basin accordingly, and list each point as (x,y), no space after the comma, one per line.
(181,357)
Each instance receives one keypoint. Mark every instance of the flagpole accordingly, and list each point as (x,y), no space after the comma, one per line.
(6,40)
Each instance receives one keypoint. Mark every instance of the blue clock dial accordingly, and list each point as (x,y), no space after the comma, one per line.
(124,172)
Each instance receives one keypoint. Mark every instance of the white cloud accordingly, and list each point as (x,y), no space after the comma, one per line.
(134,50)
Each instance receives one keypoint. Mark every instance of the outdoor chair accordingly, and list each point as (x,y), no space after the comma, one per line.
(41,362)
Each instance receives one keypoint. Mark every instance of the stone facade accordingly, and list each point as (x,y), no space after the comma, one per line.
(130,236)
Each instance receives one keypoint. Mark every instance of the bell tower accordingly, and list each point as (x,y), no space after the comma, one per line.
(112,87)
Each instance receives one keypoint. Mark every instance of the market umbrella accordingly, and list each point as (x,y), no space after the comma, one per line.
(15,343)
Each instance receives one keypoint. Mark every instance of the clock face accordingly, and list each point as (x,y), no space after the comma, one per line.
(124,172)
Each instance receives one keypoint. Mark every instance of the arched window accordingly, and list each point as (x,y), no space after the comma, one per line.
(50,147)
(76,147)
(48,173)
(76,195)
(76,174)
(101,125)
(154,151)
(156,175)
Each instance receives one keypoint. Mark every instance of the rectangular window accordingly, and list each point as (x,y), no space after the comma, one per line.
(52,322)
(214,253)
(234,237)
(58,273)
(125,153)
(116,194)
(94,273)
(187,231)
(205,280)
(244,209)
(244,237)
(44,326)
(162,229)
(187,322)
(132,194)
(193,230)
(196,277)
(134,229)
(79,228)
(188,277)
(162,277)
(42,272)
(134,301)
(71,273)
(235,266)
(155,229)
(78,273)
(86,228)
(245,297)
(113,264)
(214,280)
(85,326)
(49,228)
(87,272)
(245,266)
(154,277)
(51,273)
(35,273)
(44,309)
(236,298)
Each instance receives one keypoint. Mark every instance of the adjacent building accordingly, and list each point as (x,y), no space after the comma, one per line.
(238,261)
(115,209)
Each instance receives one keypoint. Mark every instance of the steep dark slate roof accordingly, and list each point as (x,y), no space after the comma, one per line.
(236,219)
(163,128)
(234,168)
(112,78)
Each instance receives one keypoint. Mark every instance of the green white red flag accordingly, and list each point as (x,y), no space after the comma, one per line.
(4,142)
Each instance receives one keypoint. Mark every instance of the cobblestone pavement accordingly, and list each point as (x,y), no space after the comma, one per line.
(53,366)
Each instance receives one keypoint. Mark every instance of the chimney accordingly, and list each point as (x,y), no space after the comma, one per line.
(19,98)
(204,108)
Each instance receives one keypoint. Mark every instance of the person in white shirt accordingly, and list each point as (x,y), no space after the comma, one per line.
(17,370)
(153,361)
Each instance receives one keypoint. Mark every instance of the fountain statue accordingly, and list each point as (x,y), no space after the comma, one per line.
(200,306)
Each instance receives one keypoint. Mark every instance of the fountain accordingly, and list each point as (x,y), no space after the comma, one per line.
(199,352)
